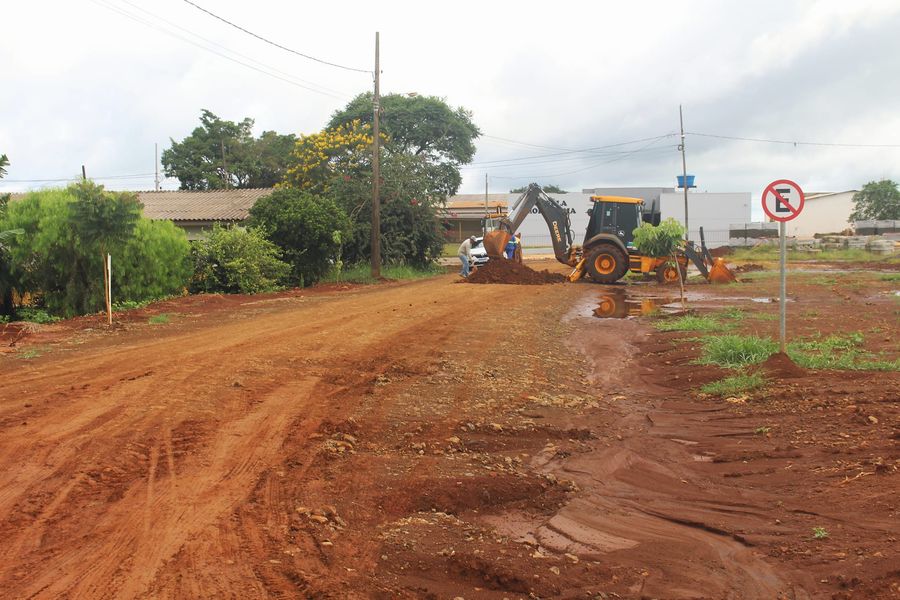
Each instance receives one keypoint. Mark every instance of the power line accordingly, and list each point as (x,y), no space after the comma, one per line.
(213,51)
(566,150)
(563,156)
(236,53)
(791,142)
(277,45)
(78,178)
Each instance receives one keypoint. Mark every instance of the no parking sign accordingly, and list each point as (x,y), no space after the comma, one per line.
(783,200)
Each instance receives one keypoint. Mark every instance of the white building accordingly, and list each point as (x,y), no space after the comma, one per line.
(713,211)
(823,212)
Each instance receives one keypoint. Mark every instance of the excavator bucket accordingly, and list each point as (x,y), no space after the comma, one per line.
(495,242)
(720,273)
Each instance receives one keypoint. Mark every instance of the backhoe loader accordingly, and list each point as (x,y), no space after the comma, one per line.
(607,252)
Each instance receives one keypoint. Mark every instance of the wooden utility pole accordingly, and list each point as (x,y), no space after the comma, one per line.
(83,173)
(376,172)
(156,167)
(684,183)
(225,166)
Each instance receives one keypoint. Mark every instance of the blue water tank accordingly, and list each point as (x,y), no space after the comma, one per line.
(690,181)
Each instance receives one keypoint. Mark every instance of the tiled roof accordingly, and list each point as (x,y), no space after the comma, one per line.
(215,205)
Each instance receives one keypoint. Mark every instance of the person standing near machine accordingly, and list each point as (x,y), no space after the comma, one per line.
(465,255)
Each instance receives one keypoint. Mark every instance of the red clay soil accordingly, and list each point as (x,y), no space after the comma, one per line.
(510,271)
(781,366)
(368,443)
(721,251)
(747,268)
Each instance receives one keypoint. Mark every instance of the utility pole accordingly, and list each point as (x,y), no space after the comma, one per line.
(83,173)
(684,184)
(224,166)
(156,166)
(376,172)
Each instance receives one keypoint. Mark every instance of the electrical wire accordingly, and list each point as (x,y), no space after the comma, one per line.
(143,21)
(77,178)
(277,45)
(561,156)
(494,137)
(789,142)
(236,53)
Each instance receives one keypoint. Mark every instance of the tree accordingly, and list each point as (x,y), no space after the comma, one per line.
(423,126)
(308,229)
(548,189)
(877,201)
(237,260)
(57,261)
(223,154)
(4,162)
(341,151)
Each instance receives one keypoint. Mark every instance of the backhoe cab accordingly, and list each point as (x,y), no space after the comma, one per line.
(607,252)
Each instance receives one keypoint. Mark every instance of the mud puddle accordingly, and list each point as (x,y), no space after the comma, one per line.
(621,303)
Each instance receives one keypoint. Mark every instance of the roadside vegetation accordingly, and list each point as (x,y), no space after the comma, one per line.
(735,385)
(769,252)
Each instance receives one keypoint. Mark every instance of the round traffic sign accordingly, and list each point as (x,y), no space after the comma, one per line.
(783,200)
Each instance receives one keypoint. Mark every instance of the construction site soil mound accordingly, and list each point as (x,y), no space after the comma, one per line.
(748,268)
(509,271)
(721,251)
(780,365)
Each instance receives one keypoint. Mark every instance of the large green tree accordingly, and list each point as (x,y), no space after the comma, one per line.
(309,230)
(224,154)
(427,127)
(877,201)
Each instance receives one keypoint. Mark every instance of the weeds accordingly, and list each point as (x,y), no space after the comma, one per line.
(362,273)
(838,351)
(36,315)
(690,323)
(762,430)
(733,351)
(159,319)
(734,385)
(28,354)
(733,312)
(819,533)
(891,277)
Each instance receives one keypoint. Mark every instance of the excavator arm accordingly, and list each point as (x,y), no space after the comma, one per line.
(555,215)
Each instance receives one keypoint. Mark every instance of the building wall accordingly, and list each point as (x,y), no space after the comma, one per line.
(713,211)
(823,214)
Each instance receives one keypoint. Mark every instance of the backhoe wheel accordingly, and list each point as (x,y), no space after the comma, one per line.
(668,274)
(607,264)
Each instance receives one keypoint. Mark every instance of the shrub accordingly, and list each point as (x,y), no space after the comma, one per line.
(237,260)
(661,240)
(58,257)
(308,229)
(153,264)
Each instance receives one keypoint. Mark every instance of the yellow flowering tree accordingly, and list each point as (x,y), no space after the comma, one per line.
(319,157)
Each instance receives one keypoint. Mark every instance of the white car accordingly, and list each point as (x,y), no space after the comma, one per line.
(479,254)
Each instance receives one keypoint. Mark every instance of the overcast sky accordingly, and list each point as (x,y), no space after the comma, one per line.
(98,82)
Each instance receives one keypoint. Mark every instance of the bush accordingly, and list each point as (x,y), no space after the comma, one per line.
(308,229)
(154,263)
(661,240)
(237,260)
(58,258)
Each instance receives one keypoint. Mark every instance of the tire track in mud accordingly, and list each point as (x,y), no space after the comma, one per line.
(643,504)
(118,525)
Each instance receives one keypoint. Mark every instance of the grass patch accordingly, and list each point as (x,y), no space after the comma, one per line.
(28,354)
(838,351)
(891,277)
(159,319)
(733,313)
(734,351)
(690,323)
(362,273)
(36,315)
(770,252)
(734,385)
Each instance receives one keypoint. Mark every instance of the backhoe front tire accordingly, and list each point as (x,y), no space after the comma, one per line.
(668,274)
(607,264)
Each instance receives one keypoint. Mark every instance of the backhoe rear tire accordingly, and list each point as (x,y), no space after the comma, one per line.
(606,263)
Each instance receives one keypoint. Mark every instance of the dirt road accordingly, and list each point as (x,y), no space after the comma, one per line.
(412,440)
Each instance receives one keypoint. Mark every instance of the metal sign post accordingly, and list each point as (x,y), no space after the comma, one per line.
(783,200)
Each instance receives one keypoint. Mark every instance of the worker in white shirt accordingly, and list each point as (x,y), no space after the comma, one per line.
(465,255)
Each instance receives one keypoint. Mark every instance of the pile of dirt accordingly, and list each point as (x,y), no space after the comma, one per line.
(780,365)
(749,267)
(721,251)
(509,271)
